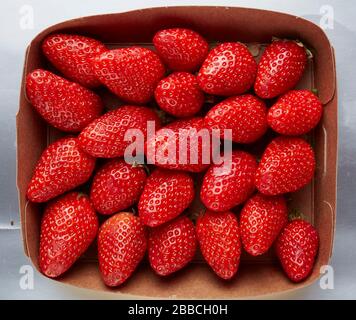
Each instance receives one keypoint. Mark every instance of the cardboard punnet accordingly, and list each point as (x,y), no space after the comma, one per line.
(318,200)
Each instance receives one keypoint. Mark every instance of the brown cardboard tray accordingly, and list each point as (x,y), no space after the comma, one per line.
(317,201)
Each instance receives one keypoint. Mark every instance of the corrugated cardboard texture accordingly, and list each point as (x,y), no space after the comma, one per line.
(317,201)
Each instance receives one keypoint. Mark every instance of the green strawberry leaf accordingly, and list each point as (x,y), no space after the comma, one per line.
(294,214)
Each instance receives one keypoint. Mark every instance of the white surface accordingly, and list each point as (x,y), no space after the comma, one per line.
(13,41)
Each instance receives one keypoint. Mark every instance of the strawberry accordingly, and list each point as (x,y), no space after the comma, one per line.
(281,66)
(179,94)
(61,167)
(181,49)
(245,115)
(130,73)
(105,136)
(295,113)
(171,246)
(287,165)
(121,246)
(230,183)
(261,220)
(63,104)
(229,69)
(181,145)
(165,196)
(116,186)
(297,247)
(218,235)
(73,55)
(69,225)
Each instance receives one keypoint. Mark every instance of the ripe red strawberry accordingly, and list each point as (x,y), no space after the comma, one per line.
(61,167)
(165,196)
(295,113)
(181,145)
(121,246)
(230,183)
(130,73)
(181,49)
(281,66)
(68,227)
(73,55)
(296,249)
(262,219)
(105,136)
(171,246)
(116,186)
(245,115)
(287,165)
(219,239)
(229,69)
(179,94)
(63,104)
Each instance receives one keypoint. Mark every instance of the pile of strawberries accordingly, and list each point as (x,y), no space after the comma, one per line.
(141,206)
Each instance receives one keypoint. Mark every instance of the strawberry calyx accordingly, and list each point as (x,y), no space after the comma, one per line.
(254,48)
(295,214)
(135,164)
(315,91)
(81,195)
(194,215)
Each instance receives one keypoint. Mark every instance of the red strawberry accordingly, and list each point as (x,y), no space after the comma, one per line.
(121,246)
(116,186)
(61,167)
(296,249)
(295,113)
(179,94)
(171,246)
(63,104)
(245,115)
(73,55)
(105,136)
(68,227)
(130,73)
(181,145)
(219,239)
(281,66)
(229,69)
(287,165)
(181,49)
(261,220)
(230,183)
(165,196)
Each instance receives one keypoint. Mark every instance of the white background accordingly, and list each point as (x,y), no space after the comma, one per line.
(13,42)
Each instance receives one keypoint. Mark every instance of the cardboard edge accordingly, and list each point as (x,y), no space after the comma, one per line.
(331,82)
(128,296)
(336,170)
(18,114)
(116,294)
